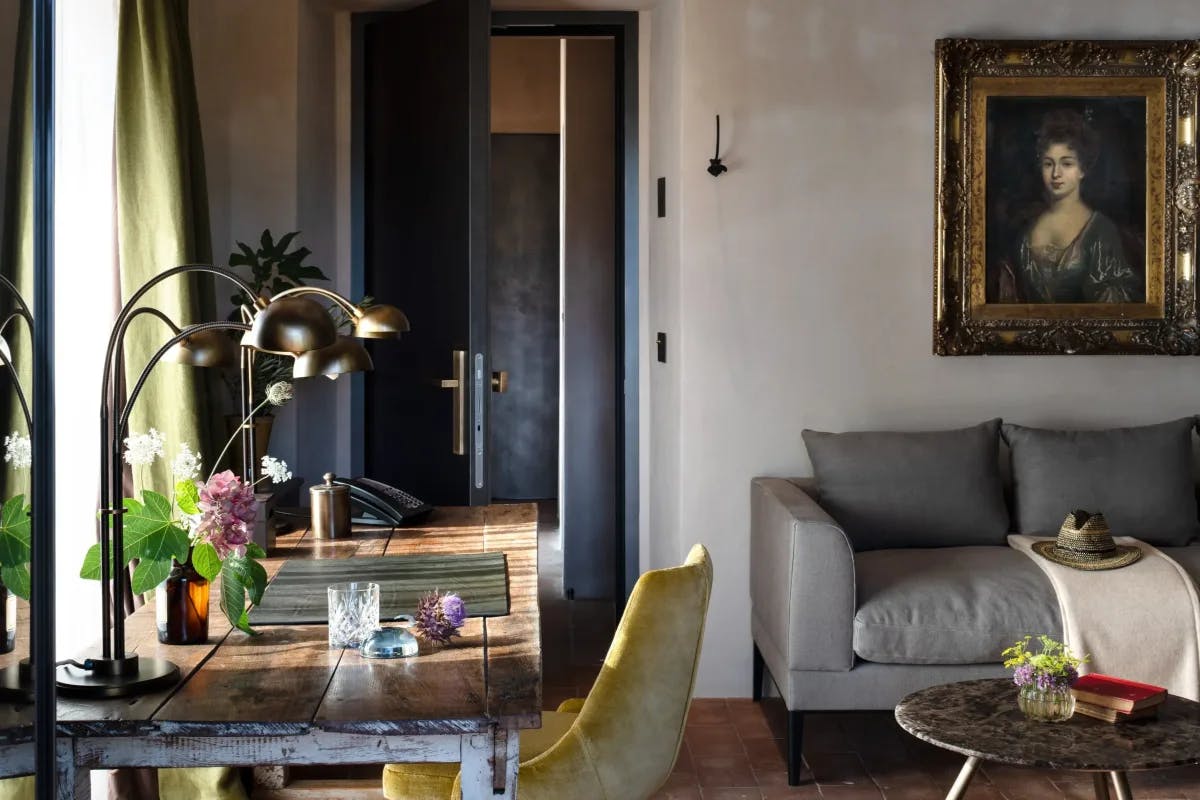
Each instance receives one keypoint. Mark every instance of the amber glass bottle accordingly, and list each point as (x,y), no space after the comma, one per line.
(182,606)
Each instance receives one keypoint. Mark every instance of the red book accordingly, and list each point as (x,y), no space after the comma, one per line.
(1117,693)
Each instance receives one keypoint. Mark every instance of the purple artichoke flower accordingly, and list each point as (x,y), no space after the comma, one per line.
(454,609)
(439,616)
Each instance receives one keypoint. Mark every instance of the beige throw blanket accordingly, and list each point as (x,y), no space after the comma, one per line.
(1140,622)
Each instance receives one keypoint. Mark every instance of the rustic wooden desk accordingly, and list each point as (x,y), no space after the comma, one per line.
(284,698)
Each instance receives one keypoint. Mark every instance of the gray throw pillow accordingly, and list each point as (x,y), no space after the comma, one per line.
(926,489)
(1139,478)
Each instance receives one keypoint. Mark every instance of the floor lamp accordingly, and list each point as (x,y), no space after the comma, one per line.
(16,682)
(287,324)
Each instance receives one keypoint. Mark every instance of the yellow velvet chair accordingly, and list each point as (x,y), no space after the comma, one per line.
(196,783)
(621,742)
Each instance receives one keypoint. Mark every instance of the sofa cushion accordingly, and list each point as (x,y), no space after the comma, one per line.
(926,489)
(949,605)
(1140,478)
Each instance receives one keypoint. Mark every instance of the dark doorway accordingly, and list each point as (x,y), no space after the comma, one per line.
(523,305)
(454,278)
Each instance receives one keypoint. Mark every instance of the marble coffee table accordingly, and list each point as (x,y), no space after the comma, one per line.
(980,720)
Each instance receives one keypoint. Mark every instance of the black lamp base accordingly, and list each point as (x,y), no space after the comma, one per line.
(116,677)
(16,683)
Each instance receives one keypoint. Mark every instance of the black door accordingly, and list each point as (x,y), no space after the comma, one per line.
(423,79)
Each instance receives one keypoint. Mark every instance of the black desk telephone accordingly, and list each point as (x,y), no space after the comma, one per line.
(380,504)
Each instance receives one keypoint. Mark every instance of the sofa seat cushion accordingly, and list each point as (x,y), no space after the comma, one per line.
(949,605)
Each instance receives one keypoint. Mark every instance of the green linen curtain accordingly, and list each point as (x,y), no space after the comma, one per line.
(162,221)
(16,246)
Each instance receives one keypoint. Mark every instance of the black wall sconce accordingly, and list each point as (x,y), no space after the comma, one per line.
(715,167)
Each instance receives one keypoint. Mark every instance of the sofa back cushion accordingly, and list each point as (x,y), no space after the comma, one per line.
(1139,478)
(926,489)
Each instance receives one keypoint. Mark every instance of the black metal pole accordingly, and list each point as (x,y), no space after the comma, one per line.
(42,471)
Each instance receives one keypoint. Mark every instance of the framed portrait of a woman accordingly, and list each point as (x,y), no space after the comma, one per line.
(1066,197)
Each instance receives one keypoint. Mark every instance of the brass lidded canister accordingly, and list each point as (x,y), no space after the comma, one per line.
(330,509)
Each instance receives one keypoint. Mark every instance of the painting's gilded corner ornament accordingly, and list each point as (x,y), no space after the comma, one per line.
(1170,340)
(954,340)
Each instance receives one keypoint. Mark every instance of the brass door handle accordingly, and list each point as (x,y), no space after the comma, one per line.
(457,385)
(500,381)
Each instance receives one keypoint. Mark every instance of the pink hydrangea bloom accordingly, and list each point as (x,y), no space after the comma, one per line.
(227,513)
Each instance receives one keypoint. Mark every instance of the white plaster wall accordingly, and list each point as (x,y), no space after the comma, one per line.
(245,60)
(661,531)
(806,280)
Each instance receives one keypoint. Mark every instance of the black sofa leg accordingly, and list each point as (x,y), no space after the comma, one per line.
(795,740)
(759,666)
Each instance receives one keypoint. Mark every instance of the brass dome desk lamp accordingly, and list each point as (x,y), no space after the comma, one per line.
(288,324)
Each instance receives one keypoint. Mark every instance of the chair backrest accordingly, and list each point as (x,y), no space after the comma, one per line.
(632,722)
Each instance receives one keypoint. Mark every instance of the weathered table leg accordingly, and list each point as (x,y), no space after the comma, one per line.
(1121,785)
(72,783)
(489,765)
(964,778)
(1100,785)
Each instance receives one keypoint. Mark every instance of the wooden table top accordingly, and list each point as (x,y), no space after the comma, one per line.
(286,681)
(980,718)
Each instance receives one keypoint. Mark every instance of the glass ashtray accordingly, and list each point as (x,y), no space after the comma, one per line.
(394,642)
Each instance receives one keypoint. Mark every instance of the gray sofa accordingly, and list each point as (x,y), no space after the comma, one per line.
(851,606)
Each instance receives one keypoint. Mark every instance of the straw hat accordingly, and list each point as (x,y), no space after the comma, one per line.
(1085,542)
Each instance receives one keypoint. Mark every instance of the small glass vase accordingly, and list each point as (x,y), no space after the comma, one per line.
(1046,705)
(181,606)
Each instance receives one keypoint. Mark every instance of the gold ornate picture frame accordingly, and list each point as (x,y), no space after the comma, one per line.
(1066,197)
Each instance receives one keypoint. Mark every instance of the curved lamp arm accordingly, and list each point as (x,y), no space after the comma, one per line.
(16,382)
(23,313)
(23,309)
(123,418)
(350,308)
(128,312)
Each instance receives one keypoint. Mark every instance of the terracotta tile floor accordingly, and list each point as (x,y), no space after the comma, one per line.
(733,748)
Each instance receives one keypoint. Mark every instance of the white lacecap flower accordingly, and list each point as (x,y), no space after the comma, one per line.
(18,450)
(143,448)
(186,464)
(279,393)
(276,469)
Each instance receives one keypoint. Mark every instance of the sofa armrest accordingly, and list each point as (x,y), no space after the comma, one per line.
(801,578)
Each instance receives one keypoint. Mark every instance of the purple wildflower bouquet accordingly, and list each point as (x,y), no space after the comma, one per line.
(439,616)
(1054,667)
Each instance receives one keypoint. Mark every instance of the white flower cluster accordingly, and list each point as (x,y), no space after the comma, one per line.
(18,450)
(186,464)
(276,469)
(279,393)
(143,448)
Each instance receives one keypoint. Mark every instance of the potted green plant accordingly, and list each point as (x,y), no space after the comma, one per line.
(270,269)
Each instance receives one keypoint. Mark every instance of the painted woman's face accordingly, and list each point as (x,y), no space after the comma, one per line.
(1061,172)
